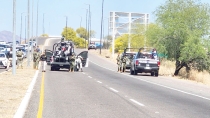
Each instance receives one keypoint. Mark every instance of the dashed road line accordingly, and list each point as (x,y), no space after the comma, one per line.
(137,102)
(89,76)
(99,82)
(114,90)
(174,89)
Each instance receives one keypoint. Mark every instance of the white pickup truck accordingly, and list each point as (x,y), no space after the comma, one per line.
(144,62)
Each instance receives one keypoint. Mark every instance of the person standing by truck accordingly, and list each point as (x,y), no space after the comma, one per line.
(123,63)
(72,59)
(19,59)
(43,59)
(118,63)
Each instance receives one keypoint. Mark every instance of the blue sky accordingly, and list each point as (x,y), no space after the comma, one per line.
(56,10)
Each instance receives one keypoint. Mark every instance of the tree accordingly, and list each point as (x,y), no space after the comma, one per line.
(44,35)
(69,33)
(182,27)
(82,33)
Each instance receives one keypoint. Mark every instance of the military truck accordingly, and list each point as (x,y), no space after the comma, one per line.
(145,62)
(58,58)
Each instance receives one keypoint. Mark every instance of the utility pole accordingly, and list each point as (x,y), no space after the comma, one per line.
(43,23)
(28,31)
(86,28)
(89,25)
(37,21)
(25,29)
(32,19)
(14,40)
(66,26)
(21,28)
(80,21)
(107,35)
(101,24)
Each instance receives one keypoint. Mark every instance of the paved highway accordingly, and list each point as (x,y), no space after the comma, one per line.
(101,92)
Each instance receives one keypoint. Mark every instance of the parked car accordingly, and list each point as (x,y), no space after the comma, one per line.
(3,60)
(91,46)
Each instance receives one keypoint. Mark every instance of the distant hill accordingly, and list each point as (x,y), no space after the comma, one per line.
(8,36)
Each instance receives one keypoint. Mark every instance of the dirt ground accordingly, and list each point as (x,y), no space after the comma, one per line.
(13,89)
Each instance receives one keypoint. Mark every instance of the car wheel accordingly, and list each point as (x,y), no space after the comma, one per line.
(156,74)
(5,67)
(135,72)
(52,69)
(152,73)
(131,71)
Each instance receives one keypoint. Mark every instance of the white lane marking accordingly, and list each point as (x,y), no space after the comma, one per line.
(161,85)
(99,82)
(24,103)
(83,73)
(89,76)
(114,90)
(137,102)
(157,112)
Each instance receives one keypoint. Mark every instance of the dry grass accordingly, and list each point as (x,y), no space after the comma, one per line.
(13,89)
(167,68)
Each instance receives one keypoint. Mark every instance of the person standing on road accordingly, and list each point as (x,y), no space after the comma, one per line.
(43,59)
(19,59)
(123,66)
(72,62)
(79,63)
(118,63)
(9,58)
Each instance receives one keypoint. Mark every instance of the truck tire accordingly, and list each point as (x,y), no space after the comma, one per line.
(52,69)
(131,72)
(135,72)
(152,73)
(156,74)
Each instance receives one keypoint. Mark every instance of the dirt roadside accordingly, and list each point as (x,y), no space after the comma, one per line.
(13,88)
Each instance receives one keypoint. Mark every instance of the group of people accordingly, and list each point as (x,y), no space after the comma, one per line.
(73,59)
(38,57)
(121,62)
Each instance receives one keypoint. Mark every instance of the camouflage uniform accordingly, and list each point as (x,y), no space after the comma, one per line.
(36,58)
(123,65)
(72,59)
(118,63)
(19,59)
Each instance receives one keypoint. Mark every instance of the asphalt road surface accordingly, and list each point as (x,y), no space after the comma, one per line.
(101,92)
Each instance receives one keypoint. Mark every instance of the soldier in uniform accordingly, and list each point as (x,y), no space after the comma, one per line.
(19,58)
(123,65)
(72,59)
(43,59)
(36,58)
(118,63)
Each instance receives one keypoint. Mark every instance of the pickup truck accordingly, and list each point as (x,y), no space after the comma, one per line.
(129,53)
(144,62)
(60,53)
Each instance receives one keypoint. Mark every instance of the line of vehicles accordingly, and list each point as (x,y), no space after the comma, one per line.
(142,60)
(6,47)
